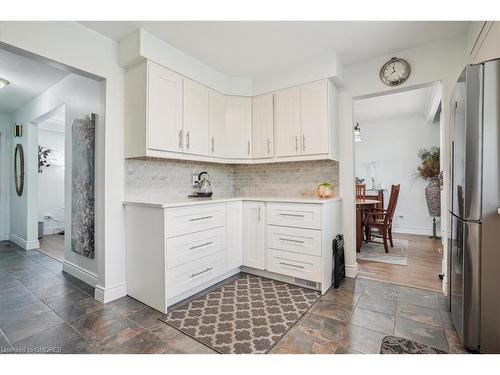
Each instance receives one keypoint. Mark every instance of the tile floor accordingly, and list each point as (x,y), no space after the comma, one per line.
(45,310)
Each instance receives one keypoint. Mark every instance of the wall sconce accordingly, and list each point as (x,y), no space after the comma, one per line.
(18,130)
(357,133)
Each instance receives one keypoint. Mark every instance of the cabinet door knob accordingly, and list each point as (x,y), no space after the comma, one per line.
(296,144)
(268,146)
(248,147)
(180,139)
(187,139)
(303,142)
(213,143)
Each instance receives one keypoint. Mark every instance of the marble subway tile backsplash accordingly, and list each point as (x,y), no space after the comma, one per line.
(284,179)
(160,179)
(171,179)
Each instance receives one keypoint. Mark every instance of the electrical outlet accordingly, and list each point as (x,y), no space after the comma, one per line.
(401,217)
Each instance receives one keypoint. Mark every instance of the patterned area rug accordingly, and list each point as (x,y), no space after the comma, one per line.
(375,252)
(248,315)
(399,345)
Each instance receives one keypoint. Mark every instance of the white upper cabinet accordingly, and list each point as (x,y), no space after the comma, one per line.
(314,119)
(165,109)
(263,126)
(217,124)
(195,115)
(287,119)
(170,116)
(239,127)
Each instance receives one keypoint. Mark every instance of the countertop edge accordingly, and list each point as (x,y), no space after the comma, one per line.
(232,199)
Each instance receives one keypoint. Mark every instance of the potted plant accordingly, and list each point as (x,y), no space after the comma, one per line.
(429,170)
(325,190)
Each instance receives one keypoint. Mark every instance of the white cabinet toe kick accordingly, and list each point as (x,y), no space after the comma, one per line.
(175,252)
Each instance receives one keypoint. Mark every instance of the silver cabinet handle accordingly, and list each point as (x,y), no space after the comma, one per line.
(180,138)
(213,144)
(268,146)
(259,217)
(199,273)
(201,218)
(290,240)
(292,265)
(248,147)
(303,142)
(187,139)
(296,144)
(294,215)
(202,245)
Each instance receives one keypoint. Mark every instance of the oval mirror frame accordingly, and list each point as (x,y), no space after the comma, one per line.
(19,169)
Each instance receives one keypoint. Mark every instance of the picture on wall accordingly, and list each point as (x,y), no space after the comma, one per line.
(83,186)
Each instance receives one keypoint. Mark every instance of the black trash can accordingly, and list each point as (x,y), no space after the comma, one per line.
(338,260)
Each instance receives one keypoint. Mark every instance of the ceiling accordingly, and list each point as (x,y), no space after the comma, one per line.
(28,78)
(406,103)
(255,48)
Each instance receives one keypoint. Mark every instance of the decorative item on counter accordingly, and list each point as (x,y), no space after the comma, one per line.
(326,190)
(204,185)
(429,170)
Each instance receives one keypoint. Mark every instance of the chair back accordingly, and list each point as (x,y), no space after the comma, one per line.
(360,191)
(393,201)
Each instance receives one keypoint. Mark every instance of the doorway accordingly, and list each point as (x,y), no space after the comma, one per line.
(397,139)
(51,184)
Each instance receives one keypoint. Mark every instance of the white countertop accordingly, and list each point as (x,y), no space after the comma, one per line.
(219,199)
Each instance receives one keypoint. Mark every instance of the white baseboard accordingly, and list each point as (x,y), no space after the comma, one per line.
(106,295)
(4,237)
(80,273)
(351,271)
(412,230)
(54,230)
(26,245)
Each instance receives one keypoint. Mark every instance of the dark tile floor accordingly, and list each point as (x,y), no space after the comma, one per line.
(45,310)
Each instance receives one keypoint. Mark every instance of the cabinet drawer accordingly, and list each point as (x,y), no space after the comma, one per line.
(183,249)
(184,220)
(292,264)
(296,240)
(294,215)
(190,275)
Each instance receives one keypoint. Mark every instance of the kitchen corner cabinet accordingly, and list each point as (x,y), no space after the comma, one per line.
(263,126)
(254,231)
(239,127)
(217,124)
(287,112)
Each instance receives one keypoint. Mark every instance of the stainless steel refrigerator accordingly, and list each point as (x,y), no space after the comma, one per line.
(474,235)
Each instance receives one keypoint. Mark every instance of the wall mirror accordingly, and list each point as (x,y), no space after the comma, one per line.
(19,169)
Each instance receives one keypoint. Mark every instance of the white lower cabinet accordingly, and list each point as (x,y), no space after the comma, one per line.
(254,229)
(175,252)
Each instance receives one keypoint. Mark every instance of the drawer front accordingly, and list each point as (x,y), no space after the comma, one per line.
(190,275)
(184,220)
(294,215)
(297,240)
(184,249)
(296,265)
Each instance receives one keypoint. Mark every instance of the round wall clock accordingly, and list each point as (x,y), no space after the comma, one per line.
(395,71)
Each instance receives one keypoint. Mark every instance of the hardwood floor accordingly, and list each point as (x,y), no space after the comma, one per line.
(424,265)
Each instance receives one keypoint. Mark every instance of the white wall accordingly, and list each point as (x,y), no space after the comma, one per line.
(78,47)
(440,61)
(392,146)
(5,136)
(51,182)
(80,96)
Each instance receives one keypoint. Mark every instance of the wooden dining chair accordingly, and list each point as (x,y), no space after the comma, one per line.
(360,191)
(377,218)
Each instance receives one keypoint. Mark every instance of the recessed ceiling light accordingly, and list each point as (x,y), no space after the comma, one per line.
(3,83)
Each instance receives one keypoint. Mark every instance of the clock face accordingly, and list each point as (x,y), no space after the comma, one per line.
(395,72)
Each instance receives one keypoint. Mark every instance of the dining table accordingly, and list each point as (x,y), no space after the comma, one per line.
(362,203)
